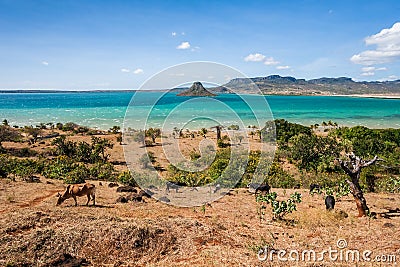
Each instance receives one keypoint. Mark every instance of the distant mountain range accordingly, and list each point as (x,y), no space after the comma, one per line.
(275,85)
(278,85)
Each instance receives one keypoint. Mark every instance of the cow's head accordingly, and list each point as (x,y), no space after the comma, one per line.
(60,199)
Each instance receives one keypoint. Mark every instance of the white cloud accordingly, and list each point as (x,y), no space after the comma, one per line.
(173,33)
(125,70)
(45,63)
(138,71)
(371,69)
(283,67)
(392,77)
(183,45)
(271,61)
(369,73)
(368,69)
(387,43)
(257,57)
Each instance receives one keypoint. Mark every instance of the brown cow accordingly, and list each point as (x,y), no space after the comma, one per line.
(74,191)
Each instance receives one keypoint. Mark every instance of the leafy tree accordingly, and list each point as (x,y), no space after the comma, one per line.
(146,159)
(34,132)
(64,147)
(8,134)
(115,129)
(139,137)
(312,152)
(282,130)
(99,147)
(153,133)
(233,127)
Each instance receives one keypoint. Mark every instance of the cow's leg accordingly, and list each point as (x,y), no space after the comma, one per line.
(93,197)
(88,199)
(76,203)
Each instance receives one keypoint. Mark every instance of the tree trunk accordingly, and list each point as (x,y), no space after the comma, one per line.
(218,133)
(357,164)
(358,195)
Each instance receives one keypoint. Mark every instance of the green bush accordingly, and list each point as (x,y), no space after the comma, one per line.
(102,171)
(58,168)
(279,178)
(389,184)
(69,126)
(126,178)
(280,208)
(77,175)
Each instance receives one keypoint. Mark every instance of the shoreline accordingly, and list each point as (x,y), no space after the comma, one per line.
(51,91)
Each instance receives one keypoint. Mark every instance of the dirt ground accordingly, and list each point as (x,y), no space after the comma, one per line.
(228,232)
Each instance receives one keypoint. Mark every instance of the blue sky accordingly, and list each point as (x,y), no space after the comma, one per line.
(119,44)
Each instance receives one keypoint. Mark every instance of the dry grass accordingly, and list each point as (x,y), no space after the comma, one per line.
(229,232)
(226,233)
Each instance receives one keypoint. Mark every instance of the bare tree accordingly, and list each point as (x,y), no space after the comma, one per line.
(218,128)
(353,168)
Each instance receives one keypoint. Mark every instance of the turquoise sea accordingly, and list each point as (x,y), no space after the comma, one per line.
(104,109)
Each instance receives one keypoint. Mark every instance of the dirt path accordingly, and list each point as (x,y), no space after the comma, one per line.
(32,203)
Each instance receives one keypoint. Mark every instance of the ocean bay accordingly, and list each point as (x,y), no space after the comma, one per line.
(105,109)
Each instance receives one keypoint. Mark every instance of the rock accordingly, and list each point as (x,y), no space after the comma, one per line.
(164,199)
(68,260)
(122,199)
(126,188)
(388,225)
(134,197)
(197,89)
(146,193)
(113,185)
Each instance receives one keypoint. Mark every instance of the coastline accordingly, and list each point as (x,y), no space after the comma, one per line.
(382,96)
(57,91)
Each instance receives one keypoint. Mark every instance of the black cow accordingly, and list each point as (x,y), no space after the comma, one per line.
(262,188)
(330,202)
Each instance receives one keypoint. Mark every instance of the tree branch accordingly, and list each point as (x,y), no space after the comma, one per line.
(368,163)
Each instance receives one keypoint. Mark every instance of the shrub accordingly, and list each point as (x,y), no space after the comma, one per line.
(58,168)
(280,208)
(233,127)
(389,184)
(69,126)
(222,144)
(77,175)
(126,178)
(102,171)
(279,178)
